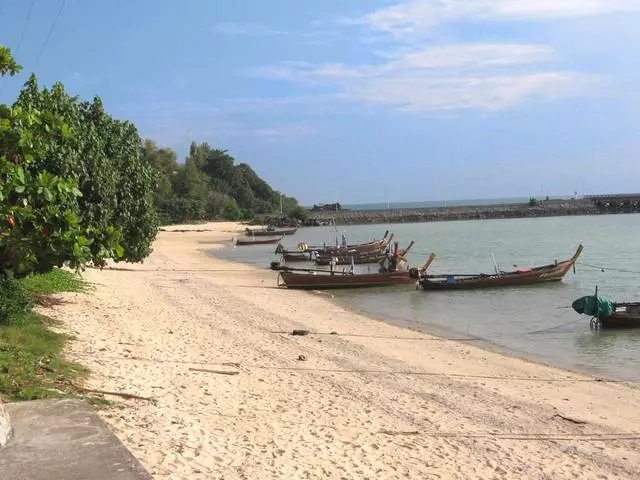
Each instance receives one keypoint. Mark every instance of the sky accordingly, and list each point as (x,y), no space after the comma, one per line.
(361,101)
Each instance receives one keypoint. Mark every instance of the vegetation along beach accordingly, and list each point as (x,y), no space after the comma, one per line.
(338,240)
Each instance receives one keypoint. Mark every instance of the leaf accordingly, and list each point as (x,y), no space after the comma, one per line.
(47,194)
(19,173)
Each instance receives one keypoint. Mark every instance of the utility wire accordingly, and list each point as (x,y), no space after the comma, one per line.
(24,27)
(53,26)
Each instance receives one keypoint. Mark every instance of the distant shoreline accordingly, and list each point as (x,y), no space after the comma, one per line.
(592,205)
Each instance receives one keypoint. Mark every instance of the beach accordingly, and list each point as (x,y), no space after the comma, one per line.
(357,398)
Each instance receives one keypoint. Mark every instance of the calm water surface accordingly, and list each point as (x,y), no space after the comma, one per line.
(526,321)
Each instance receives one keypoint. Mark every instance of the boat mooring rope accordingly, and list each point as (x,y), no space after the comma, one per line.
(545,330)
(603,269)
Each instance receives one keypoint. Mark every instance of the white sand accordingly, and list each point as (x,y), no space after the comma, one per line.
(385,403)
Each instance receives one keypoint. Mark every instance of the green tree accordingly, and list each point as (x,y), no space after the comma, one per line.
(8,65)
(105,158)
(40,222)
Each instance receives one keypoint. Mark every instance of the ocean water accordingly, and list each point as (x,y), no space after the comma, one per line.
(444,203)
(534,322)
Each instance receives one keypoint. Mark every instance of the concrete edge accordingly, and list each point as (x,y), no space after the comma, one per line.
(5,426)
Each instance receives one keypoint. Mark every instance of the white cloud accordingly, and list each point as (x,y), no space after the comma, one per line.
(476,55)
(419,16)
(485,76)
(428,60)
(491,93)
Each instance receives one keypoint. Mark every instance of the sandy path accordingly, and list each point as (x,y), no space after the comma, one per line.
(375,401)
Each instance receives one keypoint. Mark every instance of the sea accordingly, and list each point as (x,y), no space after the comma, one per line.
(470,202)
(534,322)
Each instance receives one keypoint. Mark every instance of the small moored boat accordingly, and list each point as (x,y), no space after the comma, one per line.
(375,245)
(608,314)
(270,232)
(257,241)
(393,272)
(358,257)
(523,276)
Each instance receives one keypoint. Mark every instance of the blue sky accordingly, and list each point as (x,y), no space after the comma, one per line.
(362,100)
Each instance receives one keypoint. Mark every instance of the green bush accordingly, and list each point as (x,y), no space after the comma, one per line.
(299,213)
(14,299)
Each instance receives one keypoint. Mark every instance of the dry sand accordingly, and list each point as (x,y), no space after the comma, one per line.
(376,401)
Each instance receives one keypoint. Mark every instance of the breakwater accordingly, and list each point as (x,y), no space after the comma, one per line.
(591,205)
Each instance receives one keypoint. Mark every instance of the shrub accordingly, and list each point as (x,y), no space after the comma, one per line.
(14,300)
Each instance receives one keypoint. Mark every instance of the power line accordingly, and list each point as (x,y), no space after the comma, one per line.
(53,26)
(24,27)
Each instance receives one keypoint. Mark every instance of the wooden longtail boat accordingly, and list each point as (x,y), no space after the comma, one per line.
(257,241)
(304,247)
(524,276)
(322,279)
(312,279)
(269,232)
(359,258)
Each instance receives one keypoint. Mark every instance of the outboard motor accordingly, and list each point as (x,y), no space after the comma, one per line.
(414,273)
(275,265)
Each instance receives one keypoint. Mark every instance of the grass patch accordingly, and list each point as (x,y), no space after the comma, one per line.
(31,362)
(55,281)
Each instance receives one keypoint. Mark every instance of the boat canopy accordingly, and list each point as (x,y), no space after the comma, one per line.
(595,306)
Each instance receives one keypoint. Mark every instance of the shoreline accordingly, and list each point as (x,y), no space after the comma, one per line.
(441,333)
(377,400)
(405,325)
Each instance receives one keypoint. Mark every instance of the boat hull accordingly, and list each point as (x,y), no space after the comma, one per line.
(620,321)
(628,317)
(322,281)
(545,274)
(260,241)
(484,283)
(269,233)
(346,260)
(296,257)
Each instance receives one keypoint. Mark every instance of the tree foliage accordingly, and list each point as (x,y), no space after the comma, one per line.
(75,188)
(209,185)
(104,156)
(8,65)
